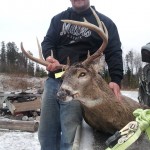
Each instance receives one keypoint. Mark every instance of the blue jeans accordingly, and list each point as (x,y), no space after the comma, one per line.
(59,120)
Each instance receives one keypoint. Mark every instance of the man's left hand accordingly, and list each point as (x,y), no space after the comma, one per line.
(116,89)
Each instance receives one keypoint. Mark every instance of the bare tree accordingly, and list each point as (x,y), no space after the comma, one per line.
(129,59)
(137,62)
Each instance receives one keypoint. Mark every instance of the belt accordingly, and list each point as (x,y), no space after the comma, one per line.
(56,75)
(51,75)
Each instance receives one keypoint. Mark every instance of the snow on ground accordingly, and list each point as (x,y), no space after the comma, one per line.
(131,94)
(86,137)
(18,141)
(11,140)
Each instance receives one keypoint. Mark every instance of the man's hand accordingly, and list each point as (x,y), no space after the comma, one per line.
(53,64)
(116,89)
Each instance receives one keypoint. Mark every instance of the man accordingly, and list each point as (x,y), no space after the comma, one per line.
(59,120)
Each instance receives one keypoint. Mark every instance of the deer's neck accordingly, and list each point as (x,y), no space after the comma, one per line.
(97,93)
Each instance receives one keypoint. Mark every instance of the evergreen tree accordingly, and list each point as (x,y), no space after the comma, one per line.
(11,56)
(3,58)
(43,73)
(37,70)
(21,63)
(30,68)
(40,72)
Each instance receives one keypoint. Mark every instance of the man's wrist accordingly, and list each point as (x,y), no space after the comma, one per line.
(117,82)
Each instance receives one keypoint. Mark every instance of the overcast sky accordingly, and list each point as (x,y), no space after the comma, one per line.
(23,20)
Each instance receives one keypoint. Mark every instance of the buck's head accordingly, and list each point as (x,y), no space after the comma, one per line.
(76,81)
(77,78)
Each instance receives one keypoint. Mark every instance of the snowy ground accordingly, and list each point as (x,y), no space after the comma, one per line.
(131,94)
(29,141)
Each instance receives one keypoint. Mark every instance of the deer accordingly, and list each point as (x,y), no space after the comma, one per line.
(82,82)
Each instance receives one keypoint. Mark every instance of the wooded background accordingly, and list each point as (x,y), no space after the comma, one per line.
(14,62)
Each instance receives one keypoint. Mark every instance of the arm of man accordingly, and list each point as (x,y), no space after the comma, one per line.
(49,44)
(113,56)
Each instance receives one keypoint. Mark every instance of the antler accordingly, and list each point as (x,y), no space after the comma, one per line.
(101,30)
(39,60)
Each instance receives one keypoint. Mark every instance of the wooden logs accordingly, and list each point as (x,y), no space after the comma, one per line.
(29,126)
(16,107)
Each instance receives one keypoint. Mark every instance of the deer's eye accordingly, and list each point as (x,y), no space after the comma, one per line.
(82,74)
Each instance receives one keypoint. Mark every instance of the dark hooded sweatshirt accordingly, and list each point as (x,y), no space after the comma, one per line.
(75,41)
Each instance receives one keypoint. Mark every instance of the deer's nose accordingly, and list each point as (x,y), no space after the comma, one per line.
(62,94)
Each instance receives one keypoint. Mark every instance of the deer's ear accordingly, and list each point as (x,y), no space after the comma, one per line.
(98,64)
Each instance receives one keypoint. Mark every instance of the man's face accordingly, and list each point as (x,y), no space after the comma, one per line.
(80,5)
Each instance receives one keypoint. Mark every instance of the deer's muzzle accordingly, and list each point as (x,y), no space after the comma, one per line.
(64,95)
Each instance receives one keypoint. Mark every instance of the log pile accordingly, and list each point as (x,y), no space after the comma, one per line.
(21,111)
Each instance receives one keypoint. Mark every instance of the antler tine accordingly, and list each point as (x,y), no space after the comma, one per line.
(38,60)
(99,52)
(52,53)
(100,23)
(96,17)
(88,54)
(39,48)
(101,30)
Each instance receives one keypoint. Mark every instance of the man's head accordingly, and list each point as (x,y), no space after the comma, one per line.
(80,5)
